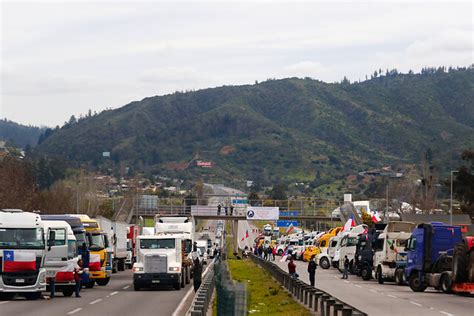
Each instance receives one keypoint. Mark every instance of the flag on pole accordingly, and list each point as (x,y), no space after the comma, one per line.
(376,218)
(247,234)
(350,223)
(18,261)
(290,228)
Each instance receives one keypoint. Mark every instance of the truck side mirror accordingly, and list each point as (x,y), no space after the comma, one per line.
(84,247)
(106,241)
(51,239)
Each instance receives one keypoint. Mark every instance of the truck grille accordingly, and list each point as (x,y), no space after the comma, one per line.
(156,264)
(20,279)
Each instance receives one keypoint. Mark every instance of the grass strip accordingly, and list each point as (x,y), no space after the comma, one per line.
(266,296)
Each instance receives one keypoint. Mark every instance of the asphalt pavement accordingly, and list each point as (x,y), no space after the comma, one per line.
(117,298)
(385,299)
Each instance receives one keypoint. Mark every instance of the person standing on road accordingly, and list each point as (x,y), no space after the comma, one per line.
(292,268)
(312,270)
(231,210)
(197,273)
(219,207)
(273,253)
(77,276)
(346,268)
(225,210)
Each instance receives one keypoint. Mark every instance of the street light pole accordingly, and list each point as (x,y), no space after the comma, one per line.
(451,200)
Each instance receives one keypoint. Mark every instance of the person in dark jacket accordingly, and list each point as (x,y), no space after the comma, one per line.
(292,268)
(345,272)
(197,274)
(312,270)
(77,276)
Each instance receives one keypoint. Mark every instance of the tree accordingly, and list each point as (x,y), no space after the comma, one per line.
(463,185)
(17,184)
(253,198)
(279,192)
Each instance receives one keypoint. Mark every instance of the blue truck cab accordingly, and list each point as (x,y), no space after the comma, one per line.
(429,255)
(82,239)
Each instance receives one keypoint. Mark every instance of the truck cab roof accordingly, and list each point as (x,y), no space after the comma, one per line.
(19,219)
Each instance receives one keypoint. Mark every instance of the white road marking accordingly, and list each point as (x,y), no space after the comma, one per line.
(392,296)
(371,290)
(446,313)
(346,281)
(74,311)
(113,293)
(415,303)
(126,287)
(357,285)
(96,301)
(4,302)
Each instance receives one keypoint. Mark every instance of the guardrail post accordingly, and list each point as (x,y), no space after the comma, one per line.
(337,307)
(317,295)
(322,304)
(330,302)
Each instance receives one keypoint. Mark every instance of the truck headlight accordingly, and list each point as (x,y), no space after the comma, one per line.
(174,269)
(137,269)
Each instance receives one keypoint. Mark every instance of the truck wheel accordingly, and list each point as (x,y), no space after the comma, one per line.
(90,284)
(366,273)
(324,263)
(471,266)
(380,275)
(114,266)
(136,287)
(177,286)
(352,267)
(103,282)
(121,265)
(32,296)
(399,277)
(183,280)
(460,263)
(188,276)
(67,292)
(416,284)
(335,264)
(445,283)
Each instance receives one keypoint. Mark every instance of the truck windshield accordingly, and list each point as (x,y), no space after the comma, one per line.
(21,238)
(97,242)
(157,244)
(81,238)
(202,249)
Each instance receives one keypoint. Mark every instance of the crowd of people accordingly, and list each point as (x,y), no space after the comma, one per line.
(266,253)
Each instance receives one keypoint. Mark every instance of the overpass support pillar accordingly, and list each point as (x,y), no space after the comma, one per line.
(235,234)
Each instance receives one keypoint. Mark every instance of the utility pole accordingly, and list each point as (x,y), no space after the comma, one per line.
(451,199)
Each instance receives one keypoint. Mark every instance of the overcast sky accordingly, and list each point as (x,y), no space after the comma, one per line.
(63,58)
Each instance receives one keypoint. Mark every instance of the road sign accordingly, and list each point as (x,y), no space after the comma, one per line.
(285,223)
(240,201)
(265,213)
(289,213)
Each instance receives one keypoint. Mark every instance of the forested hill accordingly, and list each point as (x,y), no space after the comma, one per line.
(283,129)
(19,135)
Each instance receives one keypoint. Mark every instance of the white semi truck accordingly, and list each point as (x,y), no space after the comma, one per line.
(348,244)
(390,251)
(22,250)
(117,235)
(164,258)
(60,260)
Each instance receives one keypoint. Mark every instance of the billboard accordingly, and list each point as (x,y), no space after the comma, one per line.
(262,213)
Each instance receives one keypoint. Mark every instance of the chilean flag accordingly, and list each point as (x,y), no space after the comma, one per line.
(246,234)
(350,223)
(290,228)
(66,273)
(18,261)
(94,262)
(376,218)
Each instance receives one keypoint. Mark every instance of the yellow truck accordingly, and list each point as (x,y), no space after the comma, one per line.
(99,260)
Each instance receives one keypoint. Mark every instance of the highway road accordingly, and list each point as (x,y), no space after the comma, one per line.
(385,299)
(377,299)
(117,298)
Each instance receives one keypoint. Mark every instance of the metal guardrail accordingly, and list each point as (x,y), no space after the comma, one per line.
(315,299)
(231,296)
(202,298)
